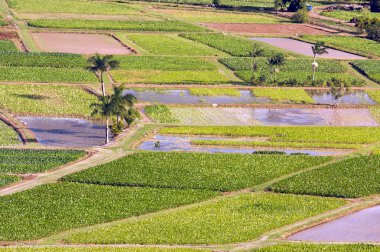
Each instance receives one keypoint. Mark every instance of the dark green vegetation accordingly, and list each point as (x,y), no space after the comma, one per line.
(319,247)
(160,113)
(231,219)
(7,179)
(352,178)
(172,26)
(52,208)
(369,68)
(7,46)
(295,72)
(223,172)
(35,161)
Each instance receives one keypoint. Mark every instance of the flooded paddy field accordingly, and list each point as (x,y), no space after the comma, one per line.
(183,143)
(66,132)
(361,226)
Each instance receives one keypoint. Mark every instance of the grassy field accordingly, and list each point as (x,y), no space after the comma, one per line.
(222,172)
(8,135)
(7,46)
(215,91)
(374,94)
(369,68)
(220,16)
(292,95)
(160,113)
(64,206)
(232,219)
(348,15)
(7,179)
(35,161)
(46,100)
(171,44)
(319,247)
(300,134)
(352,178)
(356,45)
(131,25)
(99,249)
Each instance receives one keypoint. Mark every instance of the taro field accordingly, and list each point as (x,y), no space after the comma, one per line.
(185,126)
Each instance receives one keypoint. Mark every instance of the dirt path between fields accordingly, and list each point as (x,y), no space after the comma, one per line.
(27,136)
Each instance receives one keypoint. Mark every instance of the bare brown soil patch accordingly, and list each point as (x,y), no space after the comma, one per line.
(80,43)
(8,35)
(272,29)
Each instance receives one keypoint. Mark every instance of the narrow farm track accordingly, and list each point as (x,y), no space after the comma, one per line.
(27,136)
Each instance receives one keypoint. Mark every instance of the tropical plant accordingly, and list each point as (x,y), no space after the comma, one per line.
(104,110)
(318,48)
(100,65)
(301,16)
(257,51)
(274,62)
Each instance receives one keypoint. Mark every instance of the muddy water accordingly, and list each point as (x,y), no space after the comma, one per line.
(305,48)
(362,226)
(66,132)
(184,97)
(182,143)
(357,97)
(289,117)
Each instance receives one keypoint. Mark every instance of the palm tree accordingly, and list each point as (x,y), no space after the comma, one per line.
(318,49)
(274,61)
(121,103)
(257,51)
(103,109)
(101,64)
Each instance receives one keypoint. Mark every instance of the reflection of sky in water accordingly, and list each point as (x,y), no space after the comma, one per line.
(288,117)
(182,143)
(358,97)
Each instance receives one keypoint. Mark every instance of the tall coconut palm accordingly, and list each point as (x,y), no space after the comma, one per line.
(104,109)
(100,65)
(257,51)
(274,62)
(121,103)
(318,48)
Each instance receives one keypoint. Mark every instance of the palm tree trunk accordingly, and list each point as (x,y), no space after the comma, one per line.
(314,68)
(107,131)
(102,83)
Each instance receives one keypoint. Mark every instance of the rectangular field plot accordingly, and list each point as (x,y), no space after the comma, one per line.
(52,208)
(8,135)
(369,68)
(79,43)
(222,172)
(352,178)
(233,219)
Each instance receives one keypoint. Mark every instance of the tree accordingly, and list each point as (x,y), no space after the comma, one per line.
(318,48)
(104,110)
(274,62)
(121,103)
(295,5)
(375,5)
(100,65)
(277,5)
(257,51)
(301,16)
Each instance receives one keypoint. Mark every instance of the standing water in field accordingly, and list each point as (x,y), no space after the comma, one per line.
(66,132)
(356,97)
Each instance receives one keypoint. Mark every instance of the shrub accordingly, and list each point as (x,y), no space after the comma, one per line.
(301,16)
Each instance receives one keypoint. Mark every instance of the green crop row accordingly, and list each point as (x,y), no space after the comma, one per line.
(301,134)
(293,95)
(170,44)
(369,68)
(7,46)
(352,178)
(374,94)
(215,91)
(96,249)
(35,161)
(64,206)
(356,45)
(228,220)
(298,145)
(131,25)
(8,135)
(46,100)
(320,247)
(222,172)
(235,46)
(7,179)
(160,113)
(348,15)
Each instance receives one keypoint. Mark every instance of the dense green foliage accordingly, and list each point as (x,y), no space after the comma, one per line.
(7,179)
(7,46)
(293,95)
(357,45)
(319,247)
(169,44)
(215,91)
(232,219)
(63,206)
(46,100)
(160,113)
(132,25)
(370,68)
(352,178)
(300,134)
(223,172)
(35,161)
(8,135)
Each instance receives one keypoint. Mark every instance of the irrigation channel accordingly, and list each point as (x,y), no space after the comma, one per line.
(183,143)
(361,226)
(66,132)
(305,48)
(183,96)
